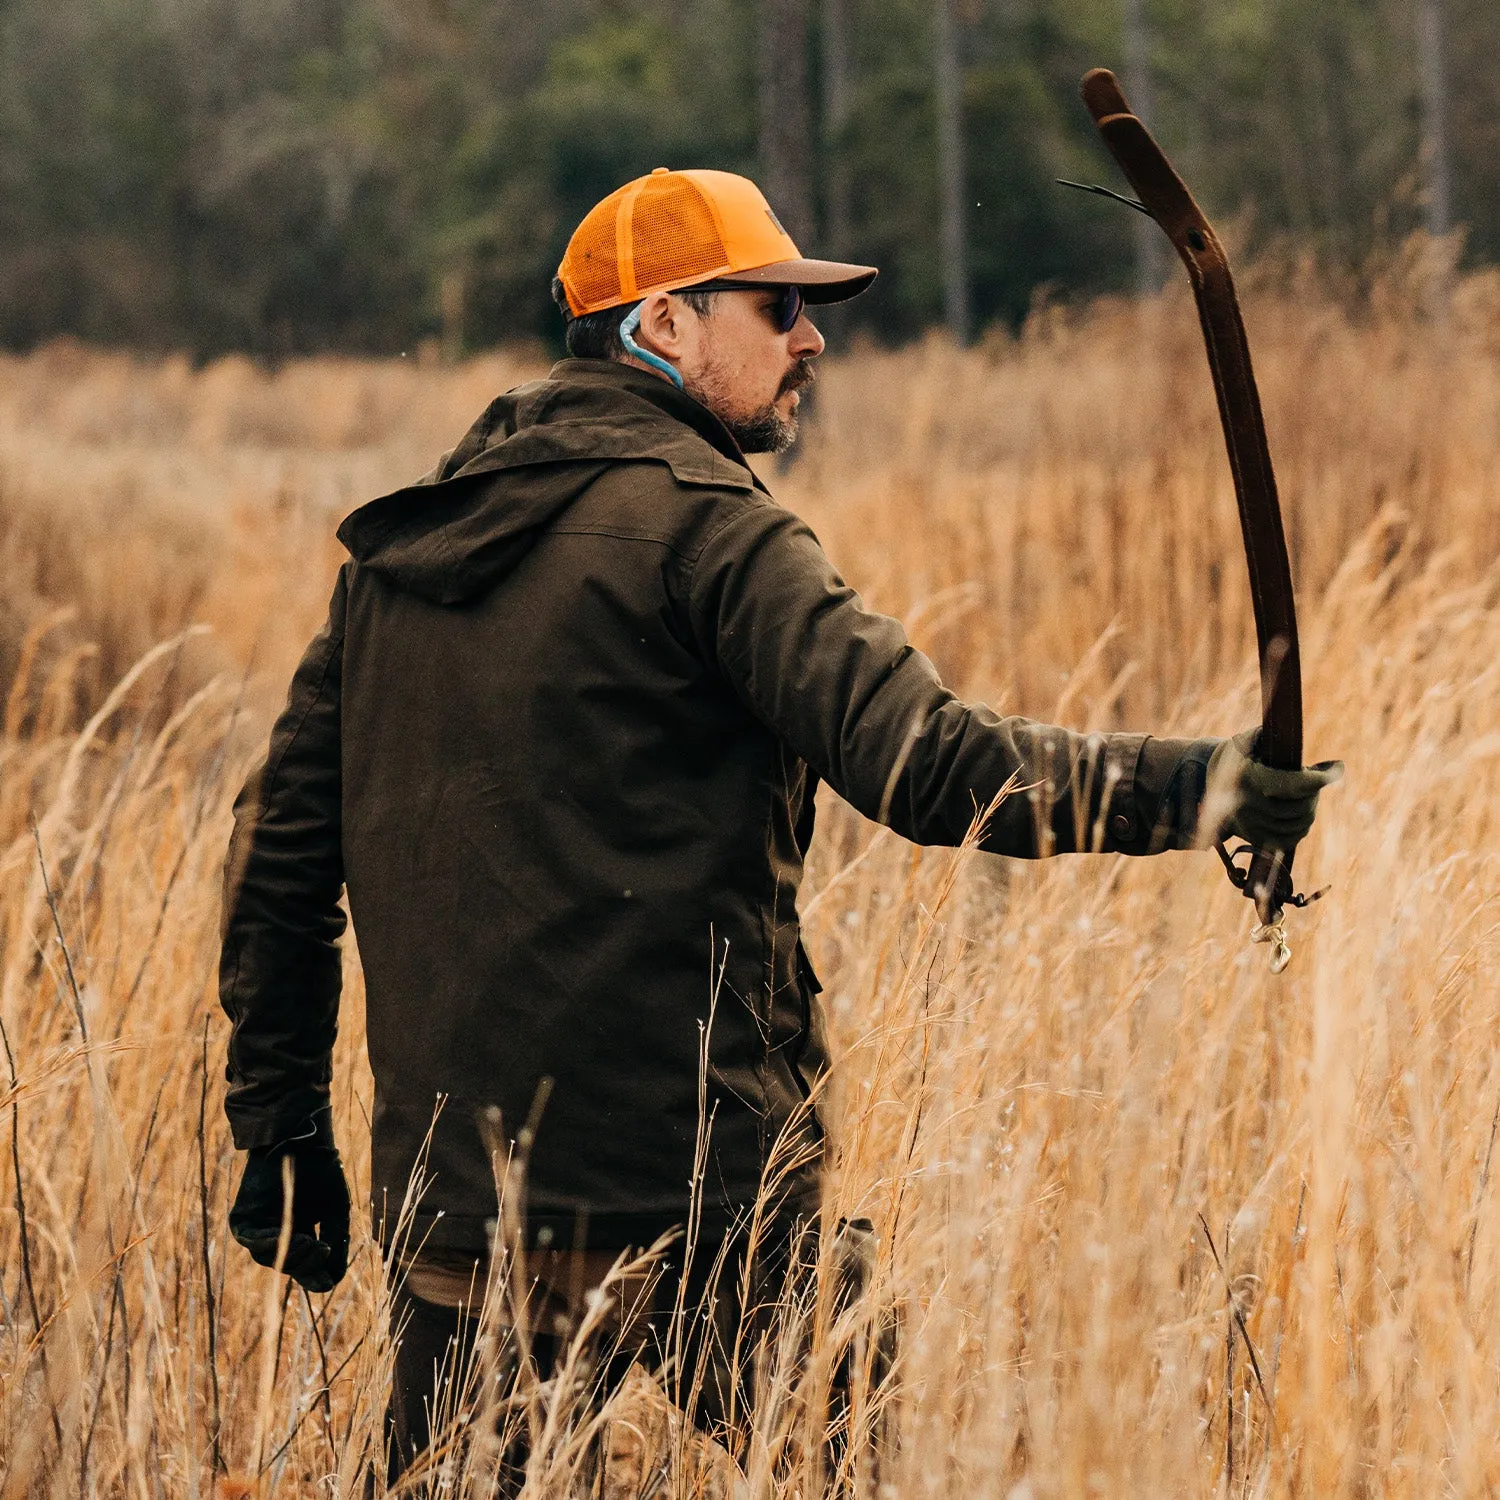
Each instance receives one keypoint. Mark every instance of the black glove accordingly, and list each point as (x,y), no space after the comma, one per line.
(1248,799)
(318,1253)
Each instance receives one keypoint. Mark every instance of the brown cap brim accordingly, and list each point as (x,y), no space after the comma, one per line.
(820,280)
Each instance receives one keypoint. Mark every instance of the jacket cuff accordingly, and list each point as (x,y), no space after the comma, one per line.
(260,1132)
(1169,785)
(1118,827)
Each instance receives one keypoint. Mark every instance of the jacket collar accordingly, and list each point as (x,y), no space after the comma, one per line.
(592,409)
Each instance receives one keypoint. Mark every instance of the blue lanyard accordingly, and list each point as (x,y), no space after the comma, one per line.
(628,325)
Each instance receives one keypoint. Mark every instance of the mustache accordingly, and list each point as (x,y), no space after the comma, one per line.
(801,374)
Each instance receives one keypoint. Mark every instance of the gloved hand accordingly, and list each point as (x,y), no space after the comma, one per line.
(1248,799)
(318,1253)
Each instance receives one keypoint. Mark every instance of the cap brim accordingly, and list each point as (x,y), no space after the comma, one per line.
(820,280)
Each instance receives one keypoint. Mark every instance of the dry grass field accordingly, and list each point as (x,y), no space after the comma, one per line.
(1154,1222)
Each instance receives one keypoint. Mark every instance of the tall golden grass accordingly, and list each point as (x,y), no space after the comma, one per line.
(1155,1222)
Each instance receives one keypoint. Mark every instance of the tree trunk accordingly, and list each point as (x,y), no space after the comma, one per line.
(453,297)
(1437,180)
(838,233)
(785,118)
(1437,166)
(836,88)
(1150,244)
(948,77)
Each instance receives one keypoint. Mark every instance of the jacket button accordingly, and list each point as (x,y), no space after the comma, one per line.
(1122,825)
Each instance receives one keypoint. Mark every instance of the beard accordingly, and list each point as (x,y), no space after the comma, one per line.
(766,429)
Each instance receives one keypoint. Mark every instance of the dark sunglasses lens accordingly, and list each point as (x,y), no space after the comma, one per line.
(789,308)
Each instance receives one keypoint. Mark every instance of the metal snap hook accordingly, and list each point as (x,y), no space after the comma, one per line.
(1275,934)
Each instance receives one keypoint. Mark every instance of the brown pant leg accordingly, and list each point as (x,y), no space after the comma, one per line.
(434,1344)
(431,1343)
(785,1263)
(714,1383)
(728,1314)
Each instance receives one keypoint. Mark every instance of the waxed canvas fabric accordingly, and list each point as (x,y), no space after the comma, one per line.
(559,740)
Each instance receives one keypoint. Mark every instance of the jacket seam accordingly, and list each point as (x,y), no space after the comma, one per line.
(1122,794)
(756,502)
(683,472)
(618,534)
(272,772)
(765,1062)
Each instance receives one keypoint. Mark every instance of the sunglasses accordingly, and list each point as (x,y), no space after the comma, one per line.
(783,312)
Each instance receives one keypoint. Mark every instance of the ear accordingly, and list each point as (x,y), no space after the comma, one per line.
(662,327)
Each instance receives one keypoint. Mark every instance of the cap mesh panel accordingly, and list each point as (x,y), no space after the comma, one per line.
(674,234)
(591,268)
(675,241)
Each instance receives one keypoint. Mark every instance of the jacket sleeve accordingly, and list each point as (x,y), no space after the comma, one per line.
(279,969)
(846,689)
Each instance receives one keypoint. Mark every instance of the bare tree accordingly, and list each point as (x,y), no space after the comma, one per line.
(1432,44)
(785,116)
(1150,247)
(948,77)
(836,101)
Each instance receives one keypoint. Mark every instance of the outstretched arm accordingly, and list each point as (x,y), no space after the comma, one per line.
(279,972)
(846,689)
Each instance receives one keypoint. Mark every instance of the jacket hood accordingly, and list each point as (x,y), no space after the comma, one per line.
(463,528)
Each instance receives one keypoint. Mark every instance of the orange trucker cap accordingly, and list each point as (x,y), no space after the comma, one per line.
(671,230)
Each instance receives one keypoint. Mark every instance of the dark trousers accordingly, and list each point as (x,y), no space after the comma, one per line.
(717,1338)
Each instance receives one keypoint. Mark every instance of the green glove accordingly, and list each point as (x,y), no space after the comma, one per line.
(1267,808)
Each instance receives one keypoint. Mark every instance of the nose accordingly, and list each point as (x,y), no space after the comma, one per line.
(804,341)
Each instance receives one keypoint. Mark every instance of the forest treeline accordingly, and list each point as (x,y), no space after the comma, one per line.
(279,176)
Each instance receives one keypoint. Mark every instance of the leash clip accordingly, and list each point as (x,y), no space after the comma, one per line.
(1275,934)
(1274,931)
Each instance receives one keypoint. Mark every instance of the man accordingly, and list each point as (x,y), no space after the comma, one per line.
(559,740)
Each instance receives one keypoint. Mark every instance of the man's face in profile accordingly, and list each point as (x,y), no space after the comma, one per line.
(740,365)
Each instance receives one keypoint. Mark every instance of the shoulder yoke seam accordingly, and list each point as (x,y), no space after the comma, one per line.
(618,534)
(753,500)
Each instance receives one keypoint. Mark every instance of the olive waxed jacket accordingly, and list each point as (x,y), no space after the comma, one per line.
(559,740)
